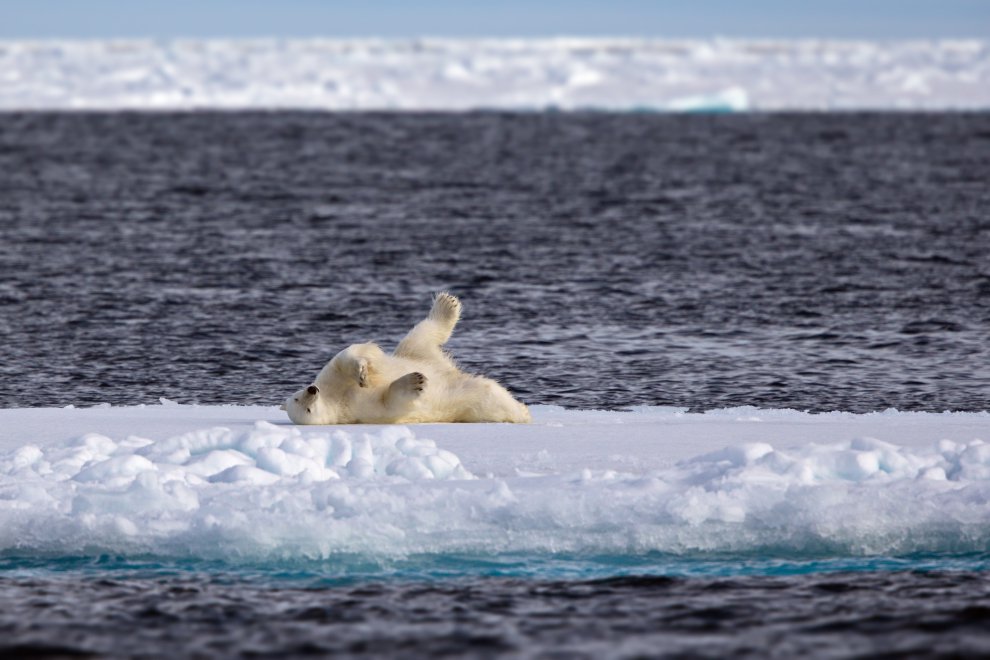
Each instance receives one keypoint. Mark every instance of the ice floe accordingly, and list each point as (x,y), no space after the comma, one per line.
(235,483)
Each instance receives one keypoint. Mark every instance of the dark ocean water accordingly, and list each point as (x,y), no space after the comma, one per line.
(814,261)
(891,614)
(817,261)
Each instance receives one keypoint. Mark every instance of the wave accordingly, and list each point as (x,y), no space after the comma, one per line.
(263,491)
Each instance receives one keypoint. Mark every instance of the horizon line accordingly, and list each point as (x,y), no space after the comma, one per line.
(530,38)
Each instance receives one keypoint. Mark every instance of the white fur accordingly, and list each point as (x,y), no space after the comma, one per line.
(418,383)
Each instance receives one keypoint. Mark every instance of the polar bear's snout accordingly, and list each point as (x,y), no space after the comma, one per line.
(306,407)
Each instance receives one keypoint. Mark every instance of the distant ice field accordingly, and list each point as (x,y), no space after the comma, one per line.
(715,75)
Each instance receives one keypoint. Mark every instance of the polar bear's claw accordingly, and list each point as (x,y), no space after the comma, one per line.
(413,382)
(405,389)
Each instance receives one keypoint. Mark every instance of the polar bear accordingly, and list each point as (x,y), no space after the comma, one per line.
(419,382)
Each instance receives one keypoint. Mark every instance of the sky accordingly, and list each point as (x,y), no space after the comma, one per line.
(160,19)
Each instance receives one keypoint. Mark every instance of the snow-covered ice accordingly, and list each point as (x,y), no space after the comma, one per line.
(461,74)
(241,483)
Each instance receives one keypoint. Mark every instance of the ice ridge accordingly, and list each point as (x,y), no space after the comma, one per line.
(281,492)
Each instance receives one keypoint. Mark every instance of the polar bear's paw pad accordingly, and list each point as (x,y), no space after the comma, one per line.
(417,381)
(446,307)
(412,383)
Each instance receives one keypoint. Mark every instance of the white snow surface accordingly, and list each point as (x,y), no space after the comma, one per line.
(241,483)
(508,74)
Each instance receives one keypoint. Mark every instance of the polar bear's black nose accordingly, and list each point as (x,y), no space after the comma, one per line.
(313,389)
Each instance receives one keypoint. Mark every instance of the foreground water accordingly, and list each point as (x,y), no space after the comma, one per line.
(169,613)
(823,262)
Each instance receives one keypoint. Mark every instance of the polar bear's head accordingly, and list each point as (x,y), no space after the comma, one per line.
(307,407)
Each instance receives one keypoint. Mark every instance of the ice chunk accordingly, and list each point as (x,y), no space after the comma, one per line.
(247,473)
(113,469)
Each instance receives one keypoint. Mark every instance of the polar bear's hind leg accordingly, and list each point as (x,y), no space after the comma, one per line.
(446,311)
(484,400)
(424,341)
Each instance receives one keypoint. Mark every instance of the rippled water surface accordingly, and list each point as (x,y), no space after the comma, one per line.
(811,261)
(871,614)
(823,262)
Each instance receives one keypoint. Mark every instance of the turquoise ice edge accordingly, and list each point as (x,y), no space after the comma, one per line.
(557,567)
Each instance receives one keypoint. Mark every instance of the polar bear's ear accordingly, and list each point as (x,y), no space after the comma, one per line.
(312,390)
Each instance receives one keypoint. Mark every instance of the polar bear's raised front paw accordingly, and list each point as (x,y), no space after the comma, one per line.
(362,373)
